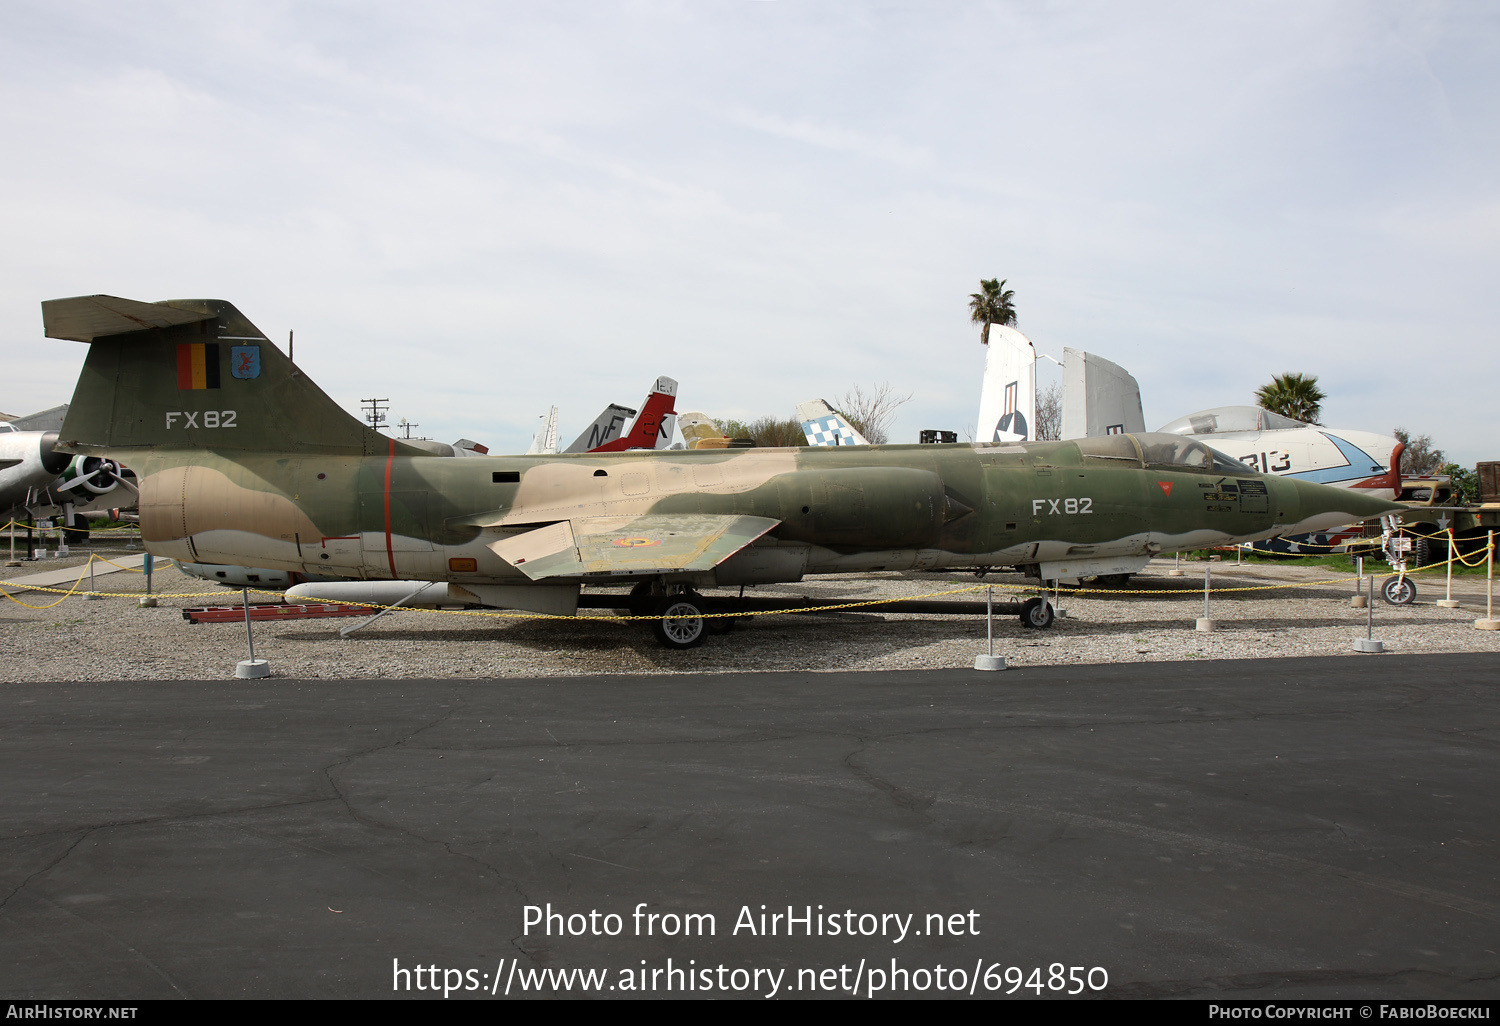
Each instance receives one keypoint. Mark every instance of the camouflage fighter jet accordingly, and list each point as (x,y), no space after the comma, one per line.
(243,460)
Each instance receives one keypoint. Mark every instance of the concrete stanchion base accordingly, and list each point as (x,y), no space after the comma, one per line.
(92,598)
(1446,603)
(148,602)
(13,562)
(1368,645)
(1176,573)
(1358,602)
(1487,625)
(1206,625)
(989,662)
(250,668)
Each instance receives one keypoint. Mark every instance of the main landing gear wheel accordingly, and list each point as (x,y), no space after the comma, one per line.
(681,624)
(1398,591)
(1036,613)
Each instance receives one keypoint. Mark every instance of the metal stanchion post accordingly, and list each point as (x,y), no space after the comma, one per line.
(1489,623)
(1176,570)
(251,667)
(148,600)
(1368,642)
(1358,601)
(1205,624)
(991,661)
(1447,601)
(93,588)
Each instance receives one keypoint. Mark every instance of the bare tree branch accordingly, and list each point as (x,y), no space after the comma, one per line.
(1049,413)
(871,412)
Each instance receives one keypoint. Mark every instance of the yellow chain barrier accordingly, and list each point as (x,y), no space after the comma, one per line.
(508,614)
(63,527)
(511,614)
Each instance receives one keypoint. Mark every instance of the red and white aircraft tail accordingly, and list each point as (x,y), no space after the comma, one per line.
(653,428)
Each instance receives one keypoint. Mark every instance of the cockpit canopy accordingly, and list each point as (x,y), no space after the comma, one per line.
(1224,419)
(1155,449)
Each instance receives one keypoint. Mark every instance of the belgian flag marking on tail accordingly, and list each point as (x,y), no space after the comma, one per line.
(198,365)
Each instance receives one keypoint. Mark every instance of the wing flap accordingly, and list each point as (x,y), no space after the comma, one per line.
(624,546)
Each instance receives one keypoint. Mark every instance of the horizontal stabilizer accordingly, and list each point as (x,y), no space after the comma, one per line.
(625,546)
(85,318)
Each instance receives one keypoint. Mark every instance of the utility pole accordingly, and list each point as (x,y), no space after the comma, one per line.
(374,410)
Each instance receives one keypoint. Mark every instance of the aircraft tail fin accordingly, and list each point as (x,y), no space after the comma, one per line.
(700,432)
(1099,397)
(665,432)
(823,425)
(545,439)
(194,374)
(646,432)
(605,428)
(1007,398)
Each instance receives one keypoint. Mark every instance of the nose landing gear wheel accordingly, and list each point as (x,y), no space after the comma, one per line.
(1036,613)
(1398,591)
(681,624)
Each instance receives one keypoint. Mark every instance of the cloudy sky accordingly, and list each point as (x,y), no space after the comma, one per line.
(482,209)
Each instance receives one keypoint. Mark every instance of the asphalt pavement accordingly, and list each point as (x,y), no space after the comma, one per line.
(1278,827)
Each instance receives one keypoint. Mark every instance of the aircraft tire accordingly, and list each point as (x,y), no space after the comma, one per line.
(1398,590)
(1037,614)
(681,623)
(78,533)
(1421,552)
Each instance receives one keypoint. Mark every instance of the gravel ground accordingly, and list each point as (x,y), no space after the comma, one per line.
(115,639)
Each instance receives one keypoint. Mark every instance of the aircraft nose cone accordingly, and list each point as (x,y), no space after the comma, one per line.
(1321,507)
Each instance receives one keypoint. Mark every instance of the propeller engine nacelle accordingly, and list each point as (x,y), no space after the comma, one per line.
(89,475)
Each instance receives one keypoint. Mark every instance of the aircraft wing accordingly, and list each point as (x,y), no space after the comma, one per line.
(622,546)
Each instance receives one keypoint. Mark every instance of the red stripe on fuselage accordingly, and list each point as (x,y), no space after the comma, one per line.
(390,553)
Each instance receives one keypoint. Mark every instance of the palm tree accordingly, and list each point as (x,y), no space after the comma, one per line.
(991,306)
(1292,395)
